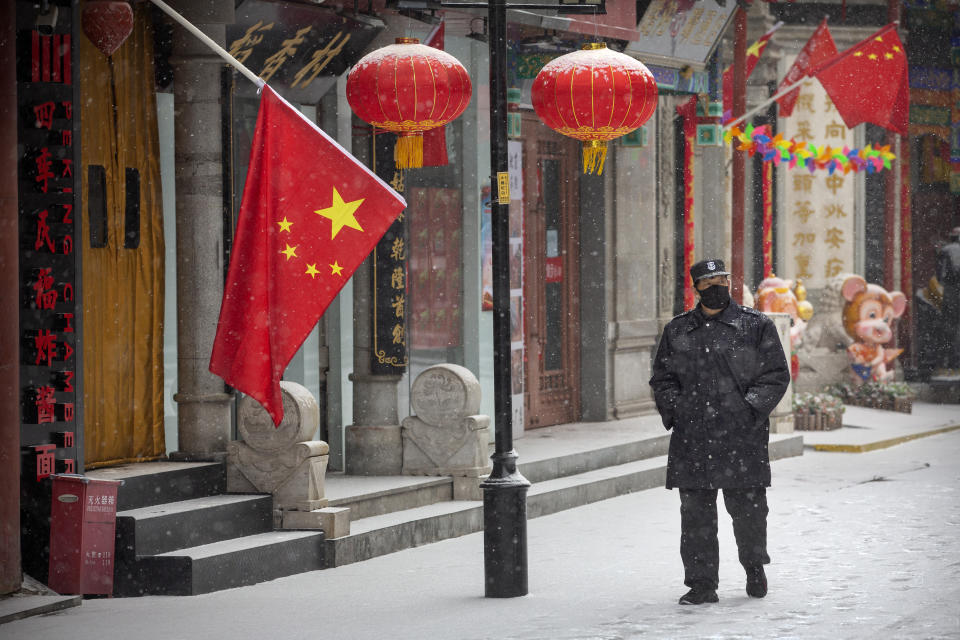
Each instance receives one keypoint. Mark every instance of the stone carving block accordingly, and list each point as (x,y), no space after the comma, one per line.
(335,521)
(822,354)
(282,461)
(446,436)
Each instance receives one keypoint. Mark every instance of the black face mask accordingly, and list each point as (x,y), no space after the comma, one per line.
(715,296)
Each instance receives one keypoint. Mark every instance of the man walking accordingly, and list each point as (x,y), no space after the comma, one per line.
(718,373)
(948,273)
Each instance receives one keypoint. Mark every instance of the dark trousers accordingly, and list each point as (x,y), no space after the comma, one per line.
(698,532)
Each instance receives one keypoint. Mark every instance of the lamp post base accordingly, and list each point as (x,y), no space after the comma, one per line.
(505,529)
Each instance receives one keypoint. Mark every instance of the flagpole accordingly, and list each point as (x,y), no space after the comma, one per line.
(220,51)
(776,96)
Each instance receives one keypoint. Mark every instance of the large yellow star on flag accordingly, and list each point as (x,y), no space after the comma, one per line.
(756,49)
(341,214)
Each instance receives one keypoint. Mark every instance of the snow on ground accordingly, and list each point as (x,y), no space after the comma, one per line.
(863,546)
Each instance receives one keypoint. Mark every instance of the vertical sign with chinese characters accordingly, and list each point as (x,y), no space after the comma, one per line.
(517,333)
(389,274)
(818,215)
(49,304)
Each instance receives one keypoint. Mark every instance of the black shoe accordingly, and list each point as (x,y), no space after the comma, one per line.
(756,582)
(699,596)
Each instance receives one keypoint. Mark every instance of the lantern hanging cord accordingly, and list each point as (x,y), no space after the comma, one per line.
(220,51)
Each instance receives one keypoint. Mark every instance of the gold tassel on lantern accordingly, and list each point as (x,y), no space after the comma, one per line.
(594,155)
(408,154)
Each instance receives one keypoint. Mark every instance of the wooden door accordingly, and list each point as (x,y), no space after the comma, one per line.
(551,275)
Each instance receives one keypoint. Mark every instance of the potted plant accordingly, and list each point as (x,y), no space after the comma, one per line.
(817,411)
(902,396)
(889,396)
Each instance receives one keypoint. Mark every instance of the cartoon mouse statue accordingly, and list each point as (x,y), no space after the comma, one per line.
(779,295)
(867,315)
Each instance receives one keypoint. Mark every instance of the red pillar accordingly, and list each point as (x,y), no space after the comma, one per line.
(890,194)
(739,157)
(906,329)
(10,573)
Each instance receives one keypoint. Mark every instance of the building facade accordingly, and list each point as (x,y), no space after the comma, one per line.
(144,162)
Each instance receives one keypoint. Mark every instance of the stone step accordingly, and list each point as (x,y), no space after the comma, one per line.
(226,564)
(379,535)
(369,496)
(560,466)
(161,482)
(383,534)
(373,496)
(160,528)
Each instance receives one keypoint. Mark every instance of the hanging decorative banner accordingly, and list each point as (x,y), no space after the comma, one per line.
(390,273)
(766,190)
(793,153)
(688,111)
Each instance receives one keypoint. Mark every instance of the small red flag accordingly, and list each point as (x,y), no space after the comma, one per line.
(754,52)
(819,49)
(310,214)
(435,140)
(869,82)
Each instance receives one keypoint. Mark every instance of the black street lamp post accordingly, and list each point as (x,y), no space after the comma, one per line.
(505,489)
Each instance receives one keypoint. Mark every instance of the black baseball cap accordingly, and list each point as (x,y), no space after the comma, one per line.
(708,269)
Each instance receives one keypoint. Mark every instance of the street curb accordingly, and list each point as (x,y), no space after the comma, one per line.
(881,444)
(18,607)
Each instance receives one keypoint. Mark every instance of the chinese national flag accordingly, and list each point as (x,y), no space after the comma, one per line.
(754,52)
(869,82)
(819,49)
(311,213)
(435,140)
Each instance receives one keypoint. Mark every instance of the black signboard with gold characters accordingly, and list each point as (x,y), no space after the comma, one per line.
(298,50)
(390,273)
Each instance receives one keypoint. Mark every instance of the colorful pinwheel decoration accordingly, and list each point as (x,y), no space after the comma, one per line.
(776,149)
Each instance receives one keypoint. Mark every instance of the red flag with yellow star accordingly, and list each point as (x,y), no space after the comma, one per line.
(310,214)
(819,48)
(754,52)
(869,82)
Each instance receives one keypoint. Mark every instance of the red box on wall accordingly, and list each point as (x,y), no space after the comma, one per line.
(83,519)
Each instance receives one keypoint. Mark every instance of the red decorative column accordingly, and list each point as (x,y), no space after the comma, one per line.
(767,193)
(739,157)
(901,146)
(688,111)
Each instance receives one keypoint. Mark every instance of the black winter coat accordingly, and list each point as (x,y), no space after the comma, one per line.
(715,381)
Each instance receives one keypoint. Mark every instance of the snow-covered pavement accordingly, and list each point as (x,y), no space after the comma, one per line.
(863,545)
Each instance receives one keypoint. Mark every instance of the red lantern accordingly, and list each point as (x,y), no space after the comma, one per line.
(408,88)
(107,23)
(594,95)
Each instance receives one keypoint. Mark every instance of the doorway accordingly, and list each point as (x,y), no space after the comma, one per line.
(551,166)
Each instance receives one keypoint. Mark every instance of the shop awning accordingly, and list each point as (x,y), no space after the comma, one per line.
(675,34)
